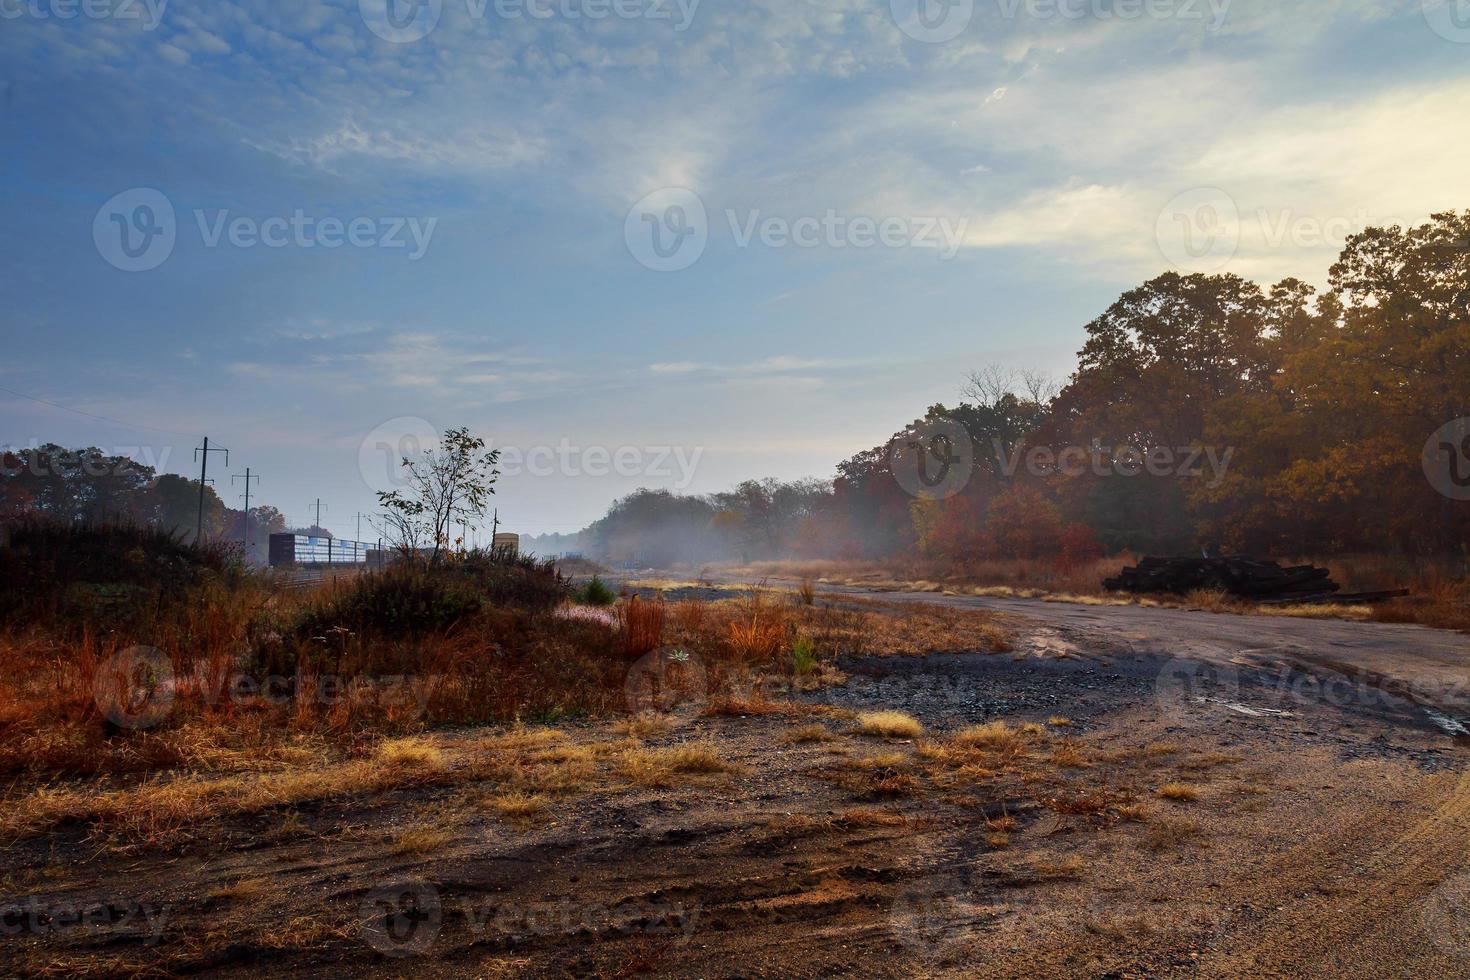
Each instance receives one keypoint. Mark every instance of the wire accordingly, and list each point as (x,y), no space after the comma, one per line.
(100,418)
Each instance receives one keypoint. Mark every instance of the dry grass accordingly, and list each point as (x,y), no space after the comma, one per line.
(1179,792)
(158,808)
(810,734)
(1067,867)
(1169,833)
(420,840)
(1069,755)
(663,767)
(641,625)
(855,817)
(995,735)
(889,724)
(518,807)
(644,725)
(244,889)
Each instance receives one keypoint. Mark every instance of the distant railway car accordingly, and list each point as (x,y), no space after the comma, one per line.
(295,550)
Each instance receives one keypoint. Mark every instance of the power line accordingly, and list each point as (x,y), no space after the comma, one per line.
(90,415)
(202,454)
(245,531)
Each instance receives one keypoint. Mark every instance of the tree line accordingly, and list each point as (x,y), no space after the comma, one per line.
(92,487)
(1205,412)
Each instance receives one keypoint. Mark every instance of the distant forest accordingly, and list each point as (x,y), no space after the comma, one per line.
(92,486)
(1309,412)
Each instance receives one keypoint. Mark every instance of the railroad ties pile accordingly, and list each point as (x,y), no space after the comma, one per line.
(1264,582)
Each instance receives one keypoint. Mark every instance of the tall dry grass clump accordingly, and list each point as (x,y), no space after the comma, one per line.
(641,625)
(761,630)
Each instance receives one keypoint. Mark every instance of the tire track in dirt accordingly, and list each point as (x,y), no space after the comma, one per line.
(1334,934)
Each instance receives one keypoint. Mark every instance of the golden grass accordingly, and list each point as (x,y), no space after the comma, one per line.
(854,817)
(889,724)
(1068,867)
(159,807)
(420,840)
(995,735)
(644,725)
(1179,792)
(1069,755)
(245,888)
(662,767)
(518,807)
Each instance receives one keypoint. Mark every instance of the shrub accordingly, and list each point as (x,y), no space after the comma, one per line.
(403,600)
(508,579)
(596,593)
(803,656)
(103,573)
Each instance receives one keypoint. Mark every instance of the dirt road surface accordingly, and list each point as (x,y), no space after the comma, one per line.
(1204,796)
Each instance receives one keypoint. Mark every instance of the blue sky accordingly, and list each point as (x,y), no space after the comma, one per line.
(1028,169)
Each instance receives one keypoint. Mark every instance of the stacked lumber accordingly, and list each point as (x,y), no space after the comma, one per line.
(1246,578)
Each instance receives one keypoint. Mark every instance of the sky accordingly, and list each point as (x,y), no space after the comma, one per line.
(658,243)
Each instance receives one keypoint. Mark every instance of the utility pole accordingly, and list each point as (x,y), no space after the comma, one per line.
(318,524)
(245,532)
(202,454)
